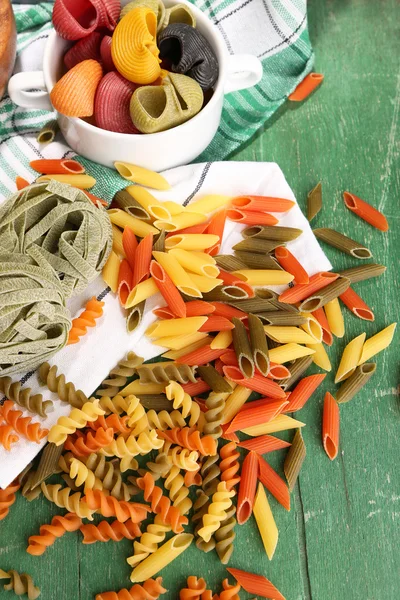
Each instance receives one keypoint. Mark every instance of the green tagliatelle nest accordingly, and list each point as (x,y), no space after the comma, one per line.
(53,242)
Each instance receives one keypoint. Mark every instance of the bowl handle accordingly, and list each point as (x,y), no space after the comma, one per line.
(21,86)
(244,71)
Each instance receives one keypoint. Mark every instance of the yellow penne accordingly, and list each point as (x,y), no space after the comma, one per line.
(264,276)
(205,284)
(181,221)
(350,357)
(175,354)
(377,343)
(280,423)
(176,342)
(191,241)
(110,271)
(235,402)
(161,557)
(142,176)
(335,318)
(312,327)
(83,182)
(123,219)
(173,207)
(285,335)
(179,276)
(222,340)
(265,521)
(137,388)
(320,356)
(153,206)
(141,292)
(208,204)
(171,327)
(288,352)
(196,262)
(117,241)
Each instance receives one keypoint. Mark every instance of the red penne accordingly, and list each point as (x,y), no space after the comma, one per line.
(200,228)
(258,383)
(306,87)
(303,391)
(365,211)
(112,103)
(219,366)
(290,264)
(224,310)
(143,256)
(105,53)
(330,426)
(274,484)
(299,292)
(201,356)
(231,437)
(231,279)
(327,336)
(251,217)
(196,388)
(229,357)
(216,226)
(95,199)
(257,412)
(199,308)
(55,166)
(129,244)
(86,48)
(247,488)
(125,278)
(357,305)
(21,183)
(264,443)
(256,584)
(278,371)
(263,203)
(214,323)
(168,290)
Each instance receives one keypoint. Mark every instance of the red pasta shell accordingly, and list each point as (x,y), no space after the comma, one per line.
(76,19)
(105,53)
(111,108)
(88,47)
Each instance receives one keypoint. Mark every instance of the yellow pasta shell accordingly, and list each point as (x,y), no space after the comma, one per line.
(134,48)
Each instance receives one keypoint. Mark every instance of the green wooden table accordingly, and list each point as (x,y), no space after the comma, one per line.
(340,541)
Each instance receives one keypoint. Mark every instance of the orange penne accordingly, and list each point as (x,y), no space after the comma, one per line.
(168,290)
(57,166)
(247,488)
(199,308)
(229,357)
(290,264)
(248,217)
(306,87)
(201,356)
(257,585)
(327,336)
(274,484)
(21,183)
(224,310)
(330,426)
(264,443)
(231,437)
(365,211)
(195,388)
(216,226)
(262,203)
(257,412)
(94,198)
(214,323)
(258,383)
(357,305)
(200,228)
(143,259)
(124,281)
(303,391)
(231,279)
(129,244)
(301,292)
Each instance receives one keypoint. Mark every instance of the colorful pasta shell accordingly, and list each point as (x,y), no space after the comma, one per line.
(134,49)
(74,94)
(105,53)
(88,47)
(112,102)
(75,19)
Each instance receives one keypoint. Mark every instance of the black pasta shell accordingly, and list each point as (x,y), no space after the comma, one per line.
(189,53)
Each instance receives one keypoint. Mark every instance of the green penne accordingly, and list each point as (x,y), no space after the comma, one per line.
(155,401)
(266,294)
(268,232)
(242,348)
(258,343)
(278,317)
(355,382)
(363,272)
(48,464)
(216,382)
(48,132)
(297,368)
(276,305)
(125,201)
(252,305)
(256,245)
(229,263)
(226,293)
(294,459)
(135,316)
(328,293)
(314,201)
(159,243)
(342,242)
(253,260)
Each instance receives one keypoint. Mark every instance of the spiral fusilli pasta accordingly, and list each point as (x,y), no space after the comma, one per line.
(231,592)
(178,492)
(56,383)
(34,403)
(182,457)
(229,465)
(159,468)
(166,372)
(164,420)
(93,310)
(149,542)
(118,377)
(215,404)
(82,444)
(7,498)
(82,475)
(7,436)
(63,499)
(216,513)
(160,504)
(117,423)
(77,419)
(109,506)
(137,415)
(114,404)
(110,475)
(150,590)
(31,431)
(105,531)
(190,438)
(225,536)
(200,508)
(210,473)
(20,583)
(175,392)
(194,590)
(49,533)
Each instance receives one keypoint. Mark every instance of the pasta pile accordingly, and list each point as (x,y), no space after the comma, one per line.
(140,70)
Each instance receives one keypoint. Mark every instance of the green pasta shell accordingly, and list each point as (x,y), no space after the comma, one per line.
(179,13)
(157,6)
(158,108)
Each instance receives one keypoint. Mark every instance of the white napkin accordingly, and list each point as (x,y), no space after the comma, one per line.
(87,363)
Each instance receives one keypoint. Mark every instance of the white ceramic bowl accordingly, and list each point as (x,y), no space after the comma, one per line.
(157,151)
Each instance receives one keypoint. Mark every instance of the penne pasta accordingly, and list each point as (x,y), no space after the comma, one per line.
(365,211)
(208,204)
(242,348)
(280,423)
(320,356)
(204,284)
(128,242)
(196,262)
(256,584)
(274,484)
(123,219)
(176,342)
(312,327)
(259,346)
(124,200)
(159,243)
(330,426)
(300,292)
(306,87)
(212,378)
(320,316)
(258,383)
(141,176)
(286,335)
(265,522)
(214,323)
(162,557)
(222,340)
(216,226)
(229,263)
(342,242)
(351,386)
(178,275)
(303,392)
(142,259)
(257,412)
(199,308)
(200,356)
(168,290)
(21,183)
(181,221)
(314,201)
(322,297)
(264,444)
(141,292)
(250,217)
(278,317)
(155,208)
(57,166)
(253,260)
(357,305)
(169,327)
(263,203)
(134,316)
(234,402)
(247,488)
(288,352)
(191,241)
(110,271)
(377,343)
(142,389)
(363,272)
(228,311)
(173,207)
(280,234)
(124,281)
(83,182)
(350,358)
(264,277)
(294,459)
(256,245)
(289,263)
(297,368)
(335,317)
(175,354)
(48,132)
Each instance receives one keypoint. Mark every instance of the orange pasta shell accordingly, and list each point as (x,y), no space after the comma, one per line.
(74,94)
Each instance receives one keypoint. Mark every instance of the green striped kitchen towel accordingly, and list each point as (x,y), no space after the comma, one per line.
(274,30)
